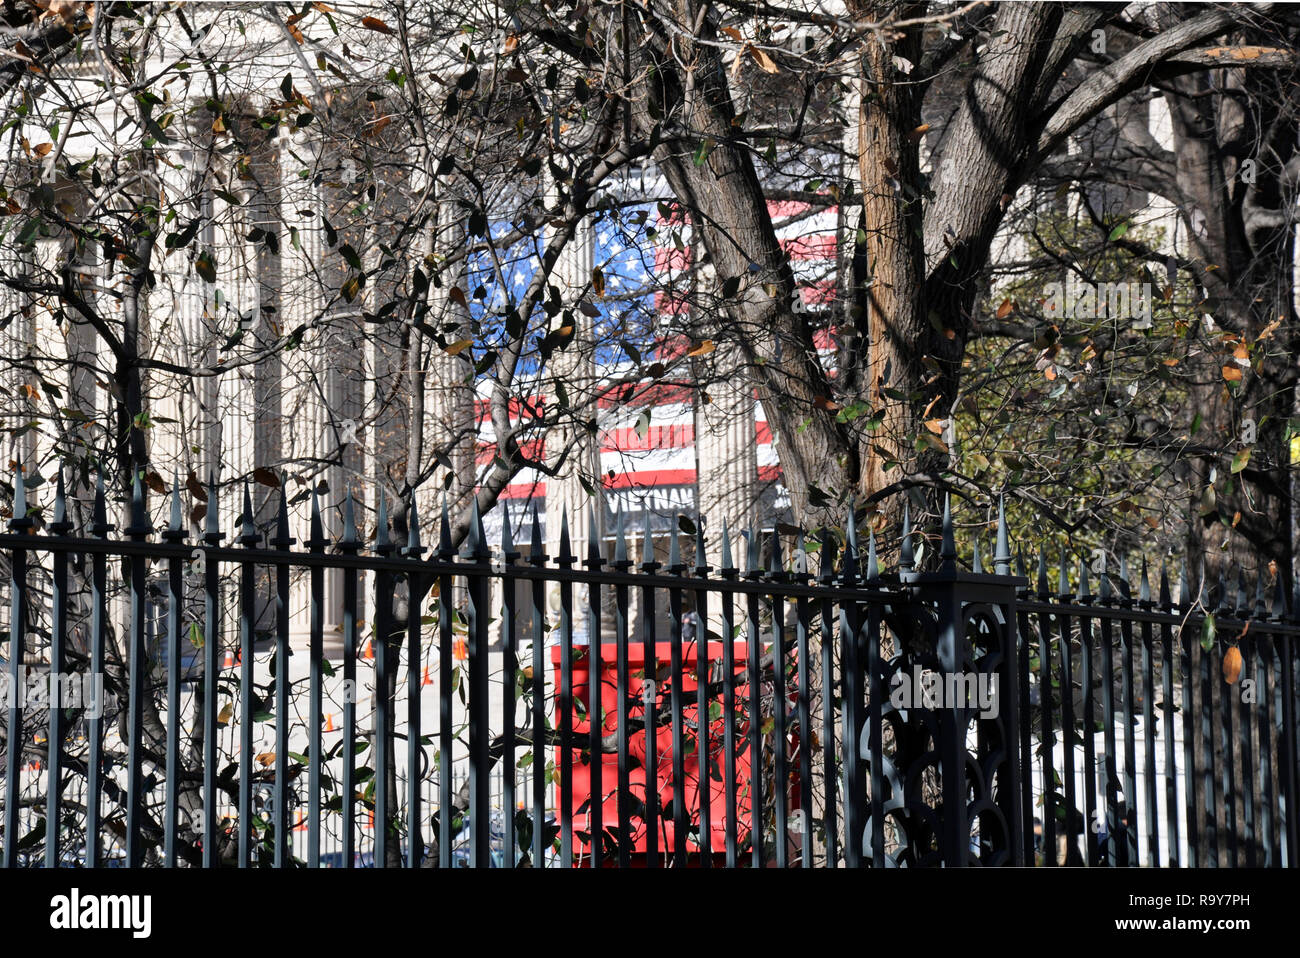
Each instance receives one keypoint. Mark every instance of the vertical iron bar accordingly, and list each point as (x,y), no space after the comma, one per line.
(623,698)
(830,770)
(138,659)
(564,705)
(211,648)
(676,705)
(595,700)
(1247,765)
(480,822)
(730,784)
(650,707)
(537,558)
(247,594)
(98,617)
(802,628)
(58,640)
(349,545)
(703,747)
(510,687)
(175,535)
(780,743)
(14,762)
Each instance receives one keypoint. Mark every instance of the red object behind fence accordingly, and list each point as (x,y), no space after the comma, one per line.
(581,775)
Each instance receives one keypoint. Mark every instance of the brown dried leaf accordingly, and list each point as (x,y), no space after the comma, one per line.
(764,61)
(1232,665)
(374,23)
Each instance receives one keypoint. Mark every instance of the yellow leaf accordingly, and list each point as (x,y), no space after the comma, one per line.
(935,425)
(218,126)
(703,349)
(458,346)
(223,717)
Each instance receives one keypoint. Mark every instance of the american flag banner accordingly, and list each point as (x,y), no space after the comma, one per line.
(649,460)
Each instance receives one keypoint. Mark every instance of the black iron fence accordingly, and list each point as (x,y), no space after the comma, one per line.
(495,708)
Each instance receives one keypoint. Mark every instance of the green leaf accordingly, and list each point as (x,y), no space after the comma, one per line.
(1207,633)
(1240,459)
(1117,232)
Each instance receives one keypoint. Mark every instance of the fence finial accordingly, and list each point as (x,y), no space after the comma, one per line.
(594,559)
(1144,585)
(905,559)
(674,554)
(317,542)
(99,525)
(826,558)
(1063,577)
(1042,574)
(873,565)
(382,543)
(140,526)
(1125,587)
(248,536)
(60,526)
(566,556)
(775,562)
(1002,551)
(508,552)
(1279,599)
(477,546)
(175,528)
(1242,598)
(212,533)
(949,548)
(536,551)
(800,554)
(753,554)
(445,549)
(349,542)
(414,548)
(621,560)
(728,563)
(648,563)
(976,563)
(1184,587)
(1166,600)
(1105,580)
(701,556)
(1085,591)
(282,538)
(851,530)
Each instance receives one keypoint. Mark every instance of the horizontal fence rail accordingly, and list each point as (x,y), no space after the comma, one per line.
(501,708)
